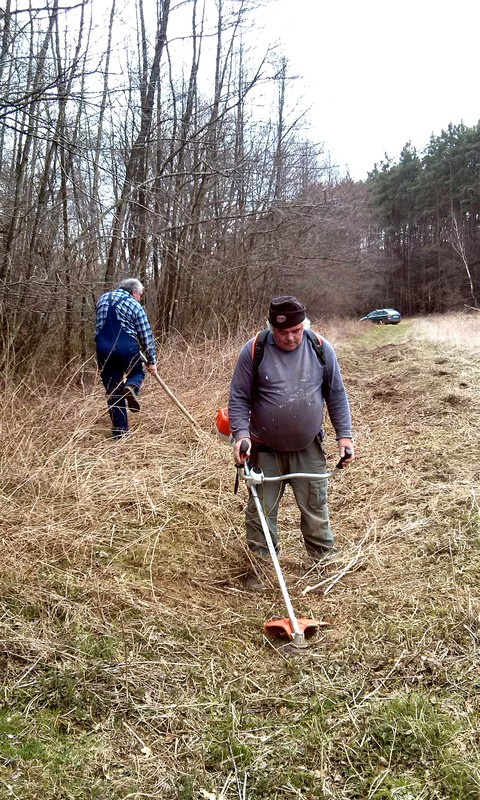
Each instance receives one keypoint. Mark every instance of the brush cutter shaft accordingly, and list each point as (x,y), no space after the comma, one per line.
(297,635)
(175,399)
(253,477)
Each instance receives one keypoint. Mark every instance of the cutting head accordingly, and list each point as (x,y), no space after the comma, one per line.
(283,628)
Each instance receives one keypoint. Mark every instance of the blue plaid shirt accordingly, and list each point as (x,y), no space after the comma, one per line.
(131,316)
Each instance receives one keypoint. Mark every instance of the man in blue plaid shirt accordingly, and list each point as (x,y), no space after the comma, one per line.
(122,331)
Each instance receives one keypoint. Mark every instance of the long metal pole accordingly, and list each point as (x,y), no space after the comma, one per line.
(297,635)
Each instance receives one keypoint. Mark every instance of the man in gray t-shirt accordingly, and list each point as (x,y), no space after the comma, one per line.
(278,410)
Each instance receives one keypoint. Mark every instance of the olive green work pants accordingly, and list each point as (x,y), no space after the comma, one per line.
(311,497)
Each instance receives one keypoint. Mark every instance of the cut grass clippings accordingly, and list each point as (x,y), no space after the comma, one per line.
(134,663)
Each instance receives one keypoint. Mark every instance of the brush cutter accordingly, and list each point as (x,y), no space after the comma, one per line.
(177,402)
(296,629)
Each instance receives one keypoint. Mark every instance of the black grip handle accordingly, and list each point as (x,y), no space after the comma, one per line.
(243,449)
(347,454)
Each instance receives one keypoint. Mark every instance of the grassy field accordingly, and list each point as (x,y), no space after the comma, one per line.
(133,662)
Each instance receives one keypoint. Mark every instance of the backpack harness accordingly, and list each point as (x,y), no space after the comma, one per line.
(258,346)
(222,423)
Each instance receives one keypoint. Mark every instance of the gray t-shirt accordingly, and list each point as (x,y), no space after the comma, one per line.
(287,412)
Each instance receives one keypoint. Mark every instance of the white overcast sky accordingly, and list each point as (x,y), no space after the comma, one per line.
(378,73)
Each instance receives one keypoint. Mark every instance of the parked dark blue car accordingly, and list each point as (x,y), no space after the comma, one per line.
(384,316)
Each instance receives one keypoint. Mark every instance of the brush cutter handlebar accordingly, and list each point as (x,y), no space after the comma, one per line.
(254,476)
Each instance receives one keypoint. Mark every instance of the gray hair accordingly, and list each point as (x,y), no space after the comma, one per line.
(306,324)
(131,285)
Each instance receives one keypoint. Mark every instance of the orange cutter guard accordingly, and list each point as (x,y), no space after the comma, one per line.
(283,627)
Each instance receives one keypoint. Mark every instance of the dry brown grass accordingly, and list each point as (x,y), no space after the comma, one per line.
(124,613)
(455,329)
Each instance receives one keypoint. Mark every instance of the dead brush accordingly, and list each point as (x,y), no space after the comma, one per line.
(456,329)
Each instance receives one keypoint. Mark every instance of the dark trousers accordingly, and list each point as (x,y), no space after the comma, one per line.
(115,371)
(118,356)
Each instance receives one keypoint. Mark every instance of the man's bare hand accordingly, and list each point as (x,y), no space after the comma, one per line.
(238,456)
(344,445)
